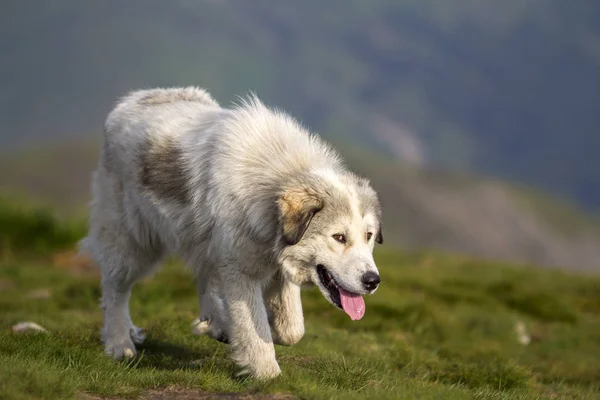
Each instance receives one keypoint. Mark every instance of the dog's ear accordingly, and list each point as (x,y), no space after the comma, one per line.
(379,237)
(296,209)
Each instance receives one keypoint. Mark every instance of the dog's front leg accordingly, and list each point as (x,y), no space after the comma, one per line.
(250,333)
(285,311)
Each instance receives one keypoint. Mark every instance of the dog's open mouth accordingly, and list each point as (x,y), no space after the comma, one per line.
(352,303)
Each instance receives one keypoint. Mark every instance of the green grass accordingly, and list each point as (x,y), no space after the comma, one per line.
(28,227)
(439,327)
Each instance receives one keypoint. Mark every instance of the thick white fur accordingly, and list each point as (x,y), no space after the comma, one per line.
(180,175)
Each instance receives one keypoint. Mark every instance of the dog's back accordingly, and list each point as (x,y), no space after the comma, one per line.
(141,161)
(146,117)
(158,96)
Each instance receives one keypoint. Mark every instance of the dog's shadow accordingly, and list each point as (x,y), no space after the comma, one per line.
(162,355)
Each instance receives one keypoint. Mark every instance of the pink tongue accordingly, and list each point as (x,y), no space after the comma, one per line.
(353,304)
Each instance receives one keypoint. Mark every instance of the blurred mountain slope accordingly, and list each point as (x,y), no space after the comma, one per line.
(509,88)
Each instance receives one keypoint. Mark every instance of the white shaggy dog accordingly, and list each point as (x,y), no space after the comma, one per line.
(247,198)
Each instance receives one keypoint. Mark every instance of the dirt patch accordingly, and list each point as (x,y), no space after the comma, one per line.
(187,394)
(191,394)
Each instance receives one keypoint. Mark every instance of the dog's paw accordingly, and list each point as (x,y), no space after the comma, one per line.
(263,372)
(205,327)
(138,335)
(200,327)
(118,351)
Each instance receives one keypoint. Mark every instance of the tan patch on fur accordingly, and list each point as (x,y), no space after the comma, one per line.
(297,207)
(163,172)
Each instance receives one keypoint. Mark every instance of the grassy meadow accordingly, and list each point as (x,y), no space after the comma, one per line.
(439,327)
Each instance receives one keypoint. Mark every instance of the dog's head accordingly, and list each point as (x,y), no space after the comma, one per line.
(329,225)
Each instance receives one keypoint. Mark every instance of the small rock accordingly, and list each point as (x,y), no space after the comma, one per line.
(523,336)
(23,327)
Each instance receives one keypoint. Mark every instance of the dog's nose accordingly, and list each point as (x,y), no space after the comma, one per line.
(370,280)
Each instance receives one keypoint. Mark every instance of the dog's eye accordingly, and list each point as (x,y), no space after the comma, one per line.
(369,236)
(340,238)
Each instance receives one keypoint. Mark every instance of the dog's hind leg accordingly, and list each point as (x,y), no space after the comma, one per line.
(119,274)
(122,262)
(118,331)
(123,243)
(284,305)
